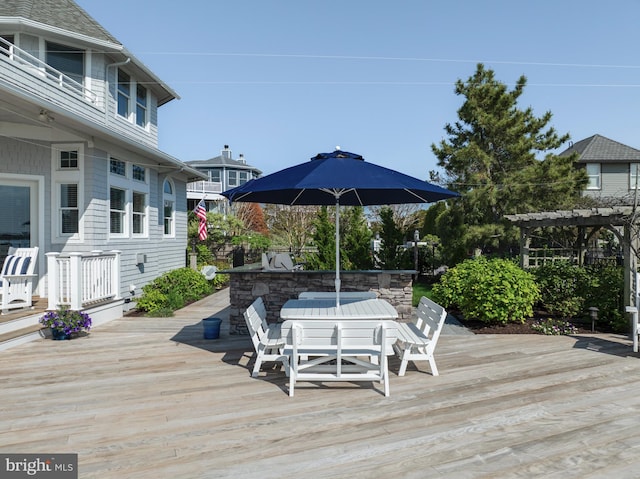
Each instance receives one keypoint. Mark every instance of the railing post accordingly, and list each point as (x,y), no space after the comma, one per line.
(53,287)
(115,274)
(75,281)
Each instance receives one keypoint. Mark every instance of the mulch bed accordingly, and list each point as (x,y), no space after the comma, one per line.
(480,327)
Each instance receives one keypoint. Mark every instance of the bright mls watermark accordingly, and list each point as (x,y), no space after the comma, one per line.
(48,466)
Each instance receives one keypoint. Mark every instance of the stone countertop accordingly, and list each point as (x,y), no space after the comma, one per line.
(257,268)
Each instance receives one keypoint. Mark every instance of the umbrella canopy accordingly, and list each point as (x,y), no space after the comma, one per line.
(340,175)
(339,178)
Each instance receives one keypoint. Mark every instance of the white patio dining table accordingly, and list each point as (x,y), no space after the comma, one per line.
(350,309)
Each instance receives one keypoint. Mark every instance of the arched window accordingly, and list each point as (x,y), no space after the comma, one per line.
(169,201)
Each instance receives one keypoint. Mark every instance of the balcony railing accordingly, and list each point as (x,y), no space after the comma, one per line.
(204,187)
(39,69)
(78,280)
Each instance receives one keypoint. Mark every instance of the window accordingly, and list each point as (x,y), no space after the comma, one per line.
(233,178)
(118,167)
(69,160)
(634,176)
(69,213)
(128,199)
(67,60)
(67,197)
(141,106)
(124,93)
(593,172)
(139,173)
(139,215)
(117,210)
(6,46)
(169,199)
(214,176)
(244,177)
(133,100)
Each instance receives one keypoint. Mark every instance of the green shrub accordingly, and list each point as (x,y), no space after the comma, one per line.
(175,300)
(562,288)
(205,256)
(190,284)
(493,291)
(220,280)
(152,299)
(173,290)
(606,292)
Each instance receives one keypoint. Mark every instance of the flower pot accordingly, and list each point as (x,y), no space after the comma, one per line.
(211,328)
(58,335)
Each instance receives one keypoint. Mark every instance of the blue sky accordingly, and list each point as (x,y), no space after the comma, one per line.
(282,80)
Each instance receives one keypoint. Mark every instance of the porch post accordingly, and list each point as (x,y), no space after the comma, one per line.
(115,274)
(53,286)
(75,281)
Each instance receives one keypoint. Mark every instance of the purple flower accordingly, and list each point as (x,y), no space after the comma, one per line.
(66,320)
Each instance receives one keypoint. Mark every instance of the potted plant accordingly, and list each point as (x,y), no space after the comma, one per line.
(64,322)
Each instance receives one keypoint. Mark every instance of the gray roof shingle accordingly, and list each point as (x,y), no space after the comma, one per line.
(64,14)
(600,149)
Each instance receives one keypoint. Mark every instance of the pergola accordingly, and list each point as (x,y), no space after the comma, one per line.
(620,220)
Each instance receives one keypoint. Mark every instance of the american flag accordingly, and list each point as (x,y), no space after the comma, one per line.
(201,213)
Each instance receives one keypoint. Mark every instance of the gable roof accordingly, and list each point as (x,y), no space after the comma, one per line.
(65,14)
(65,19)
(600,149)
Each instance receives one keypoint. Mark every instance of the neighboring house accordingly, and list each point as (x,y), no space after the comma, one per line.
(80,168)
(223,173)
(613,169)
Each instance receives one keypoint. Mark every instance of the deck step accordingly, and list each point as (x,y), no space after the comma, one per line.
(21,336)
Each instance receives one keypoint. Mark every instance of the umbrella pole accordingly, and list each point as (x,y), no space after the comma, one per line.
(337,252)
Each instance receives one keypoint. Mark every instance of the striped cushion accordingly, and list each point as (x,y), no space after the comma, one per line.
(15,265)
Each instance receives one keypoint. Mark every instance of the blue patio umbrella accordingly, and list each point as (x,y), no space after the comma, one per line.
(339,178)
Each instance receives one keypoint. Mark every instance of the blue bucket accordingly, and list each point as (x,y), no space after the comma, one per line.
(211,328)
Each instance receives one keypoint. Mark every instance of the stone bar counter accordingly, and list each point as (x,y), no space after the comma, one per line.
(277,286)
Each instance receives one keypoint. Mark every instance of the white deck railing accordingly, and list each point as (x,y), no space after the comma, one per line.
(204,187)
(78,280)
(39,69)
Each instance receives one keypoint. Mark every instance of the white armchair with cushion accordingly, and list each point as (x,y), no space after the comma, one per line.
(16,279)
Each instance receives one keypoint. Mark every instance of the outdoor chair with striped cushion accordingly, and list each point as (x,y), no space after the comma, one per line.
(16,279)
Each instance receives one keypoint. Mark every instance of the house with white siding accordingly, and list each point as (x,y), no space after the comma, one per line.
(223,172)
(81,175)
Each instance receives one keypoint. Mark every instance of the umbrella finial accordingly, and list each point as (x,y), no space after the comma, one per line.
(338,148)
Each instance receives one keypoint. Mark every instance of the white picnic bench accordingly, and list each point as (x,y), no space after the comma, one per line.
(417,339)
(333,350)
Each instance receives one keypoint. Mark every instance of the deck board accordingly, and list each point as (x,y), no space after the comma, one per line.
(148,397)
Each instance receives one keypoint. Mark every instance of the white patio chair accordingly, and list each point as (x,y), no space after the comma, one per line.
(265,337)
(16,279)
(417,339)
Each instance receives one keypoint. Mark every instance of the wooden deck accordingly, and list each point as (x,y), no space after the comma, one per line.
(148,398)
